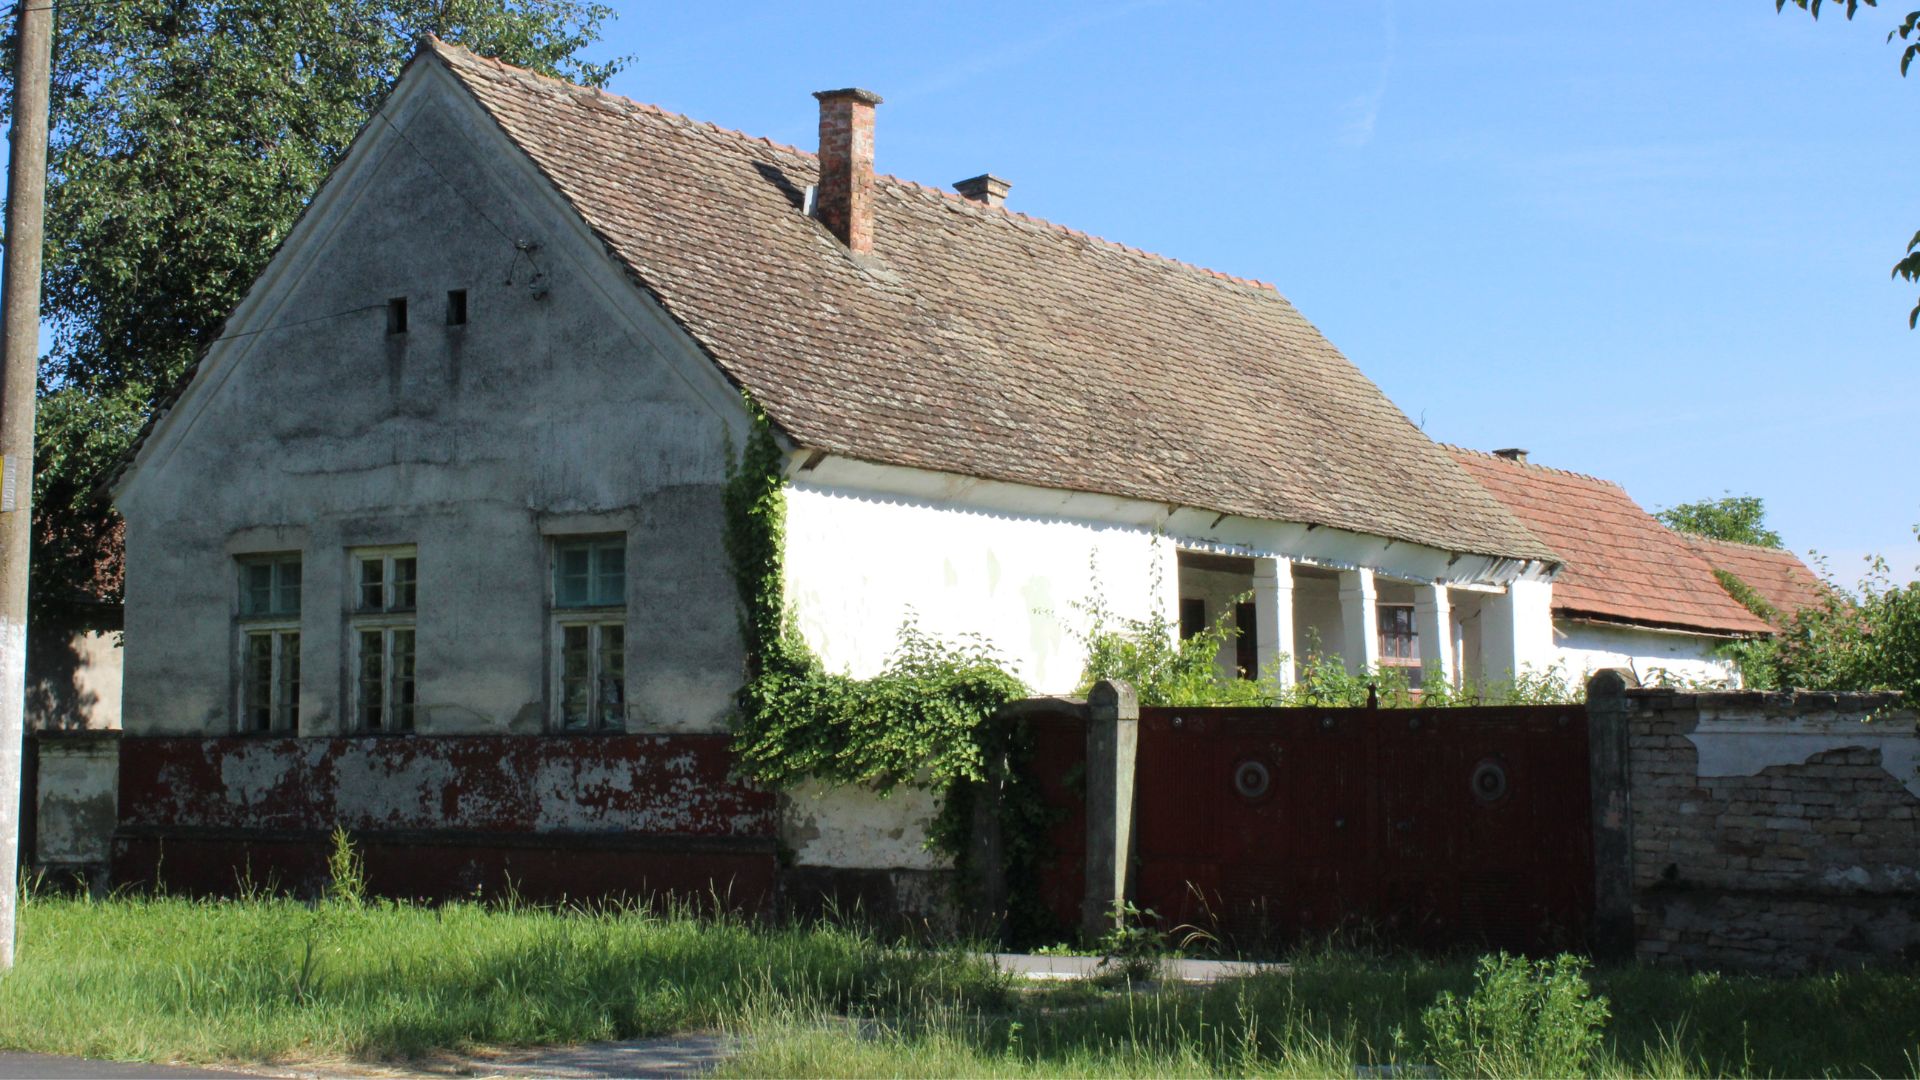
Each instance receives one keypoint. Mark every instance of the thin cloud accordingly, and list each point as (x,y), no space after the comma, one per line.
(1364,111)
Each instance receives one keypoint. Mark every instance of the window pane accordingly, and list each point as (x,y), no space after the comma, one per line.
(286,599)
(372,683)
(257,713)
(372,584)
(572,576)
(403,583)
(576,652)
(1398,640)
(403,679)
(610,573)
(256,597)
(575,703)
(290,682)
(612,676)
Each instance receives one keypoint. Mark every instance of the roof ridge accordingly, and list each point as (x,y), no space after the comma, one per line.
(443,47)
(956,197)
(1534,465)
(1742,544)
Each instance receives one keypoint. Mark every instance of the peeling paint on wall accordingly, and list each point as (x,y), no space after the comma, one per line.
(853,827)
(631,784)
(1744,745)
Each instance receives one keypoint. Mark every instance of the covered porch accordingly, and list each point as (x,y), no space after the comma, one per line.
(1287,611)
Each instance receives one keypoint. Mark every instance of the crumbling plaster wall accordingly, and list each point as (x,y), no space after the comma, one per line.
(567,404)
(75,800)
(1778,831)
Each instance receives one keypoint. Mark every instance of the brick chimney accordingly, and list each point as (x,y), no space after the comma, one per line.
(986,189)
(845,200)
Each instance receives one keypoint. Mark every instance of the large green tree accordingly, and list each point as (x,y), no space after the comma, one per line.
(186,137)
(1742,518)
(1909,34)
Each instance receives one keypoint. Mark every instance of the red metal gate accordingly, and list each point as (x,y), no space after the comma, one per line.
(1435,828)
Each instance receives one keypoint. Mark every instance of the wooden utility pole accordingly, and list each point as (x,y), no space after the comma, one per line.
(20,357)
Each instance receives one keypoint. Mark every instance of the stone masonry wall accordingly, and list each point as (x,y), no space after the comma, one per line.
(1773,831)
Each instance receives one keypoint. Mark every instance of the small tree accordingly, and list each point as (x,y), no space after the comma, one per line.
(1740,518)
(1908,31)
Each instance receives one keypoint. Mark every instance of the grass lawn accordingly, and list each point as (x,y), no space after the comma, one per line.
(265,980)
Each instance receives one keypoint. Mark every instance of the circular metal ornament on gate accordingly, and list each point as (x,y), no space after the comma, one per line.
(1251,779)
(1489,781)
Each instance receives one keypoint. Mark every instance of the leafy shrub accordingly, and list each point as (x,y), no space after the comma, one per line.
(1521,1019)
(1867,638)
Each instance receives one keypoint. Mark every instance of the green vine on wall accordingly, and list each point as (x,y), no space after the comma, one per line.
(923,721)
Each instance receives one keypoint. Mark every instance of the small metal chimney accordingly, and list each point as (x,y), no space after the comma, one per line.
(985,189)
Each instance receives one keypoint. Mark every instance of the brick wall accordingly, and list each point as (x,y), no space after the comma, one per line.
(1774,831)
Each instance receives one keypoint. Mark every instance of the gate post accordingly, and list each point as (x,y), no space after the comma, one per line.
(1609,732)
(1113,739)
(987,857)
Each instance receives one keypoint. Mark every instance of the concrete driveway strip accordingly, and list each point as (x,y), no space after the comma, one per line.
(674,1056)
(15,1066)
(1031,966)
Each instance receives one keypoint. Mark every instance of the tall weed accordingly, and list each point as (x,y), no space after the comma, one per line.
(1521,1019)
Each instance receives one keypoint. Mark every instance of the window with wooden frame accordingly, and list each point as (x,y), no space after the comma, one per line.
(590,633)
(268,630)
(385,596)
(1399,636)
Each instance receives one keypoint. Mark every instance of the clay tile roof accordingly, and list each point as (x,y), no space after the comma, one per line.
(1780,578)
(985,342)
(1621,563)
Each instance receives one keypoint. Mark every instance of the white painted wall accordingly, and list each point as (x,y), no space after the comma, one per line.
(859,564)
(1318,628)
(1582,648)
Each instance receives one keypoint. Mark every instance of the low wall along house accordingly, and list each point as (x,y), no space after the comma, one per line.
(1776,831)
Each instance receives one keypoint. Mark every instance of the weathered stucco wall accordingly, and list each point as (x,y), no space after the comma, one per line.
(1777,831)
(75,801)
(859,565)
(1582,648)
(73,677)
(566,404)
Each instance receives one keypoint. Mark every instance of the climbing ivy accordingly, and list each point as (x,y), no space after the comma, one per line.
(923,721)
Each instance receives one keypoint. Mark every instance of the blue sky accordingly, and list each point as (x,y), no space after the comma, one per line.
(1645,241)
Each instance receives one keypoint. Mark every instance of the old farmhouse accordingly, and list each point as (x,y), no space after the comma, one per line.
(454,468)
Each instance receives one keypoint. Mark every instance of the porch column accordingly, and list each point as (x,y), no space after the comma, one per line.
(1359,620)
(1433,623)
(1273,618)
(1516,631)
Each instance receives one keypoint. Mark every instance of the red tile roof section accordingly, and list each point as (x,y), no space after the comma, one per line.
(1621,563)
(989,343)
(1778,576)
